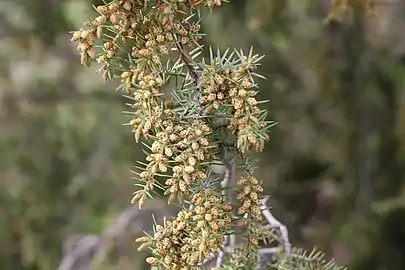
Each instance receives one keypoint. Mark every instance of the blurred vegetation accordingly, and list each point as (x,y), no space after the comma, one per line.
(335,164)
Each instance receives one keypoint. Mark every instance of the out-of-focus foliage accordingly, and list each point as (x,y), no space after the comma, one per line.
(334,165)
(65,156)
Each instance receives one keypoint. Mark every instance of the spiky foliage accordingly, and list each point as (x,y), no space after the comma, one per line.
(302,259)
(210,115)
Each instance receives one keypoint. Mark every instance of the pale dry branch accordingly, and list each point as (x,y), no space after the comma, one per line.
(274,223)
(80,250)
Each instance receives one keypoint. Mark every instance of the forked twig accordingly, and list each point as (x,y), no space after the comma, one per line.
(274,223)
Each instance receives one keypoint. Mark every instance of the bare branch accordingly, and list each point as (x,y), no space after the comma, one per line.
(79,251)
(274,223)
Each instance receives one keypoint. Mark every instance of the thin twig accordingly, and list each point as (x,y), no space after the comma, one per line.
(261,251)
(221,255)
(87,246)
(272,221)
(276,224)
(191,72)
(79,251)
(230,174)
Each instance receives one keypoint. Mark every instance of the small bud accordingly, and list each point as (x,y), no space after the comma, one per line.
(141,202)
(76,35)
(101,19)
(143,246)
(99,32)
(142,239)
(81,47)
(136,197)
(127,6)
(194,145)
(217,3)
(168,152)
(92,53)
(113,7)
(189,169)
(126,75)
(162,167)
(102,9)
(152,260)
(84,34)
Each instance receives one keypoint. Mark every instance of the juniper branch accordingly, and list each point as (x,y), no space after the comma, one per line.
(183,141)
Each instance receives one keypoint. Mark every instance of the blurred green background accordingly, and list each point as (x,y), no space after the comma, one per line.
(335,164)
